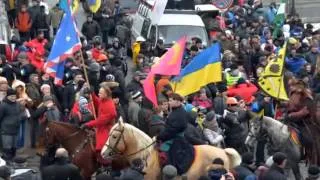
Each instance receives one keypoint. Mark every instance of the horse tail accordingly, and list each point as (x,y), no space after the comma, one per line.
(234,157)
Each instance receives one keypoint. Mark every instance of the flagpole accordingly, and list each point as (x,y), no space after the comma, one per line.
(87,81)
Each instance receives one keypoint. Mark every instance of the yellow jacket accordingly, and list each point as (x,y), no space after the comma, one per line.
(135,51)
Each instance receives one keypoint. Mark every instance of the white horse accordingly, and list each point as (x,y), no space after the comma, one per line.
(279,138)
(128,141)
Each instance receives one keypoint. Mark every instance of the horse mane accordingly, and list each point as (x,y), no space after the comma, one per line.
(143,141)
(276,125)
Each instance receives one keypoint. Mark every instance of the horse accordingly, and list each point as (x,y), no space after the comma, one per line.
(279,137)
(130,142)
(80,145)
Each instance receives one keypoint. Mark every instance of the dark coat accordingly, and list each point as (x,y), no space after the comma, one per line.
(134,86)
(243,171)
(61,170)
(50,114)
(91,30)
(69,96)
(33,91)
(193,135)
(273,173)
(10,116)
(176,123)
(156,126)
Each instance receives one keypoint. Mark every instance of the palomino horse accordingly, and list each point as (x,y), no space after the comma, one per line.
(79,143)
(279,138)
(128,141)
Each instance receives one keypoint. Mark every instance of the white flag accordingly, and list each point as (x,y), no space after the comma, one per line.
(158,10)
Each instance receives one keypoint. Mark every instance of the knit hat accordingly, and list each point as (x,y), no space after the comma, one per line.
(94,67)
(313,171)
(210,116)
(279,157)
(241,81)
(11,91)
(247,158)
(82,101)
(169,172)
(110,77)
(135,95)
(47,98)
(44,86)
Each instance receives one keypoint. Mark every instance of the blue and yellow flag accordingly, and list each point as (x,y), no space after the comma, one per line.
(65,4)
(205,68)
(271,80)
(94,5)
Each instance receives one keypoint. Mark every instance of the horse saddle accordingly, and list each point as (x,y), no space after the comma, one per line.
(177,152)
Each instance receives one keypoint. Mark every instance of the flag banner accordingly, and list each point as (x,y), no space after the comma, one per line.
(66,43)
(271,80)
(205,68)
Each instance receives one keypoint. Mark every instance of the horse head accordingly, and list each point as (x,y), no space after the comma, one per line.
(255,130)
(126,141)
(59,132)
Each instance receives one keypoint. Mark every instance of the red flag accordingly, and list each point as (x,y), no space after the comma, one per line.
(149,89)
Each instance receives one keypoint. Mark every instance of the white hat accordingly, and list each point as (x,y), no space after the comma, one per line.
(140,38)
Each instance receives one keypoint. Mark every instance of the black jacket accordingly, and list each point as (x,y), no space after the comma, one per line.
(91,30)
(243,171)
(273,173)
(69,96)
(61,170)
(10,116)
(193,135)
(176,123)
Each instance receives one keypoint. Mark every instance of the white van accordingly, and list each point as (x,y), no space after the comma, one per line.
(172,26)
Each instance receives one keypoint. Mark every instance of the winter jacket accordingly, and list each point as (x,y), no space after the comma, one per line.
(33,91)
(61,170)
(135,52)
(213,137)
(193,135)
(34,11)
(294,64)
(91,29)
(69,95)
(244,90)
(243,172)
(44,114)
(106,23)
(176,123)
(123,33)
(11,113)
(156,125)
(105,119)
(133,112)
(23,22)
(273,173)
(41,21)
(55,16)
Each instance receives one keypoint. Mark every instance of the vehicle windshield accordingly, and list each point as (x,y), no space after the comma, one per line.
(170,34)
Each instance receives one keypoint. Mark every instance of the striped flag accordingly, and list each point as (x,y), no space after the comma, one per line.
(66,43)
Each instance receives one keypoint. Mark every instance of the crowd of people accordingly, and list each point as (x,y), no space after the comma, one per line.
(95,91)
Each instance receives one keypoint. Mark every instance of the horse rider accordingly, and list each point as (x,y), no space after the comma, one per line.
(174,129)
(301,113)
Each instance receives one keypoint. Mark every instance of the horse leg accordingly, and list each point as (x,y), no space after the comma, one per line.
(296,170)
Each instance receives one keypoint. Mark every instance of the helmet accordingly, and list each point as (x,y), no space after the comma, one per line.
(232,101)
(140,38)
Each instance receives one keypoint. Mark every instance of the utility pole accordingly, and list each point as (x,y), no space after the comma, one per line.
(293,7)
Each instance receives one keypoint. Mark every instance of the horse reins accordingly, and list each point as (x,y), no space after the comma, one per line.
(117,152)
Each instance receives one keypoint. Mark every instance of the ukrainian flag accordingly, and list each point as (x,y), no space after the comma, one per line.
(205,68)
(94,5)
(65,5)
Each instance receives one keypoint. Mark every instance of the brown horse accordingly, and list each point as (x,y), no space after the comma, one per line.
(79,143)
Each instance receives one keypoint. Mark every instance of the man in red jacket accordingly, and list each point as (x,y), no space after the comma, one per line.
(23,23)
(244,89)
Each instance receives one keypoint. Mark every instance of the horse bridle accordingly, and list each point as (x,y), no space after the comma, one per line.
(115,151)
